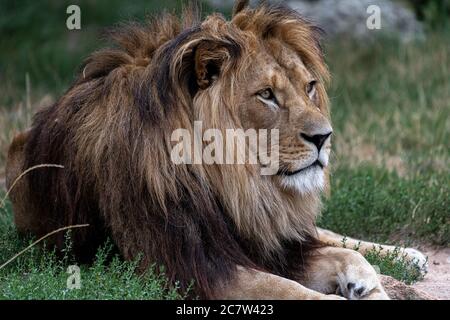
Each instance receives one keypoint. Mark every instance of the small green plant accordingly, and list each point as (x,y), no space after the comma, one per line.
(394,264)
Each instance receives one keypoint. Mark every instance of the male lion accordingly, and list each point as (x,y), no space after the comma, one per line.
(236,233)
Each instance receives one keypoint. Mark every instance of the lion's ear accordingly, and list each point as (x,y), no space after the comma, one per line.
(209,57)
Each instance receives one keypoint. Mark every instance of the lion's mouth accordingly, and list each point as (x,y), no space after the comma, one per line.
(287,173)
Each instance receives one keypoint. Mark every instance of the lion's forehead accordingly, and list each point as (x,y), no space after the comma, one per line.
(279,65)
(283,54)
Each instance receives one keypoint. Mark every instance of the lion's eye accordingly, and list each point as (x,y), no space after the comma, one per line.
(311,89)
(267,94)
(268,97)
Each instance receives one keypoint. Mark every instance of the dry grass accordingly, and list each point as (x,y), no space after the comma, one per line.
(391,105)
(17,118)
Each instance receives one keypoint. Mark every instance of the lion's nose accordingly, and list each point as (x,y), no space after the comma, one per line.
(318,139)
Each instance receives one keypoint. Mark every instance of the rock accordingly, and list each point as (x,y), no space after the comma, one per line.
(398,290)
(349,17)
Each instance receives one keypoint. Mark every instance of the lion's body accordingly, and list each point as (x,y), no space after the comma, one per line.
(111,131)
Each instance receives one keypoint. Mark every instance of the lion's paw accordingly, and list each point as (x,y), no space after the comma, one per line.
(360,281)
(416,257)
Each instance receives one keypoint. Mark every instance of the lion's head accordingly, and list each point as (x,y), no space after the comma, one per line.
(112,132)
(281,87)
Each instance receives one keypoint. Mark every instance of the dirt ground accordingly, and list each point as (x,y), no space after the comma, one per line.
(437,280)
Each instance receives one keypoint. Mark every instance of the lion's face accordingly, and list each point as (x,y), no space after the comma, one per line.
(279,92)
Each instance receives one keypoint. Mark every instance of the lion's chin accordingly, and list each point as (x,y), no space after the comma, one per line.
(308,181)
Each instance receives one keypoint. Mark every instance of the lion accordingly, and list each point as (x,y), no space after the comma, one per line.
(234,232)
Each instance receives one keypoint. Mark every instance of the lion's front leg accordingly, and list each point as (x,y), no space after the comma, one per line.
(345,272)
(249,284)
(337,240)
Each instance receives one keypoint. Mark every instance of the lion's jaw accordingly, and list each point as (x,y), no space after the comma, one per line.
(311,177)
(310,180)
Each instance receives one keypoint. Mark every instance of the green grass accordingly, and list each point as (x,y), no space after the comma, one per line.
(40,274)
(390,164)
(373,203)
(393,264)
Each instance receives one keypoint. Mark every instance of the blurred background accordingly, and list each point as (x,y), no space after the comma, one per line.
(390,97)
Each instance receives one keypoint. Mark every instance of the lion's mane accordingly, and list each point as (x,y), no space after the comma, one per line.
(111,131)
